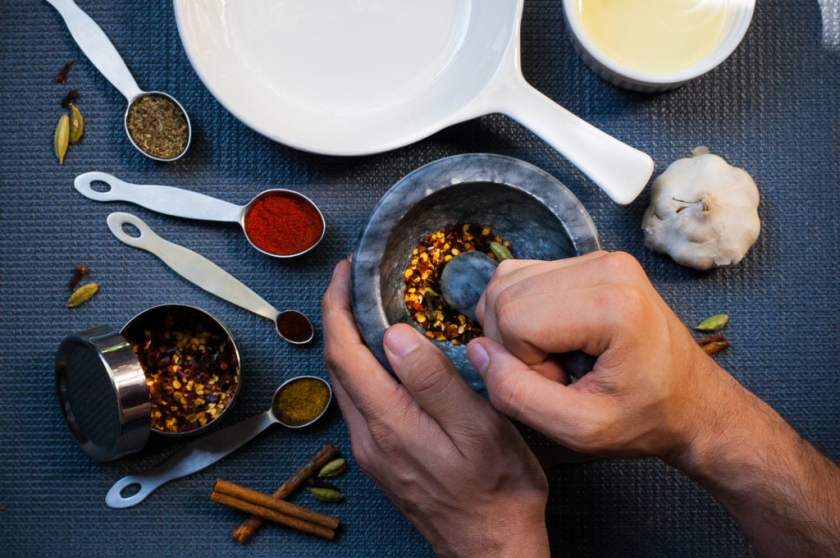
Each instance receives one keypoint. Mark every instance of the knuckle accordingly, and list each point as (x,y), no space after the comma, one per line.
(505,267)
(623,265)
(625,303)
(507,311)
(505,393)
(362,455)
(431,379)
(382,436)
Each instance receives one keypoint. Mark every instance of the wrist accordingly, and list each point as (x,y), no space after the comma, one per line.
(506,535)
(721,415)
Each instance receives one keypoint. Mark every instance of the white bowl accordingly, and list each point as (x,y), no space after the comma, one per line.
(635,80)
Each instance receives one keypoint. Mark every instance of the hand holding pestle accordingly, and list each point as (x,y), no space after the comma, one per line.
(462,283)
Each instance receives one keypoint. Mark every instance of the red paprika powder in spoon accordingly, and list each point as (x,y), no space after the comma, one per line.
(283,223)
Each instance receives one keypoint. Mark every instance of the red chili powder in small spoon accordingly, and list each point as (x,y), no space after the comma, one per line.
(283,223)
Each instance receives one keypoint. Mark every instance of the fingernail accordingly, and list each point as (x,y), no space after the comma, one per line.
(478,356)
(401,341)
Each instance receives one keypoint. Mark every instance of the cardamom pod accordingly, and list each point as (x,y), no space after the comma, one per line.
(501,251)
(61,140)
(333,469)
(77,124)
(82,294)
(713,323)
(323,494)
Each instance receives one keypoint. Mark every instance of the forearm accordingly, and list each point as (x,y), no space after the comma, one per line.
(782,491)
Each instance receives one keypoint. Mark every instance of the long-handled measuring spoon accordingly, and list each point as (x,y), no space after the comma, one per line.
(205,451)
(291,325)
(192,205)
(101,52)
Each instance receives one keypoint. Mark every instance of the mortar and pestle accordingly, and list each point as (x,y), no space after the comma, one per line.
(540,217)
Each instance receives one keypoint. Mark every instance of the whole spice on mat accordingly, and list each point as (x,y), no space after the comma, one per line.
(328,493)
(269,508)
(713,323)
(334,468)
(77,124)
(283,223)
(301,401)
(78,274)
(71,98)
(714,344)
(245,530)
(192,370)
(82,294)
(422,296)
(158,126)
(61,138)
(62,74)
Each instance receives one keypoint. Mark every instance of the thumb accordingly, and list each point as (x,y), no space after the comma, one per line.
(522,393)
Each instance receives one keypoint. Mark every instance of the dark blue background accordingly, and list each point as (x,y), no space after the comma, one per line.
(772,108)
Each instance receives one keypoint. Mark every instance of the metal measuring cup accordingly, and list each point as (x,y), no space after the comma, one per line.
(185,203)
(101,385)
(203,273)
(104,56)
(205,451)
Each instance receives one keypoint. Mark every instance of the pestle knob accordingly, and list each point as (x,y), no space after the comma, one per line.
(463,281)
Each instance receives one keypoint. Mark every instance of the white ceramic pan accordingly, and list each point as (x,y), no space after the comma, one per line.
(355,77)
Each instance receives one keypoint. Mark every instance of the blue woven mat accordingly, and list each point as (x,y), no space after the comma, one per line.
(772,108)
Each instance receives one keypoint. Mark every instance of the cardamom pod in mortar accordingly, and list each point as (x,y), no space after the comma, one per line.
(501,251)
(82,294)
(326,494)
(333,469)
(61,139)
(77,124)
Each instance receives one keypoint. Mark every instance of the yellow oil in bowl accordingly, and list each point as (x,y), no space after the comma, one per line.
(656,36)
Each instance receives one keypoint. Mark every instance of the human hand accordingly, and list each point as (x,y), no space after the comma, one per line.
(651,387)
(458,470)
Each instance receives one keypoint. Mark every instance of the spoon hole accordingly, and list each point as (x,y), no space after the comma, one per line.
(131,230)
(130,490)
(100,186)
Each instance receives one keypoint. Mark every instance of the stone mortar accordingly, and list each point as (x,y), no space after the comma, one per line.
(541,218)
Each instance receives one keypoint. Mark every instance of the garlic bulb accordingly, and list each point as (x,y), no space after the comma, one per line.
(703,212)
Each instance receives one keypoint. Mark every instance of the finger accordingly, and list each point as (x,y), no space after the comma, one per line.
(432,381)
(511,272)
(542,321)
(372,390)
(521,393)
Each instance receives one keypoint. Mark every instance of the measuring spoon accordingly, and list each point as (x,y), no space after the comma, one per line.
(205,451)
(291,325)
(184,203)
(104,56)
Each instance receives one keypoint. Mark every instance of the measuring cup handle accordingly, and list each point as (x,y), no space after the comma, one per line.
(161,199)
(618,169)
(193,267)
(194,457)
(97,47)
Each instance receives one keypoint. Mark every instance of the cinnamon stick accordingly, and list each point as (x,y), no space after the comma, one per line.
(280,506)
(271,515)
(243,533)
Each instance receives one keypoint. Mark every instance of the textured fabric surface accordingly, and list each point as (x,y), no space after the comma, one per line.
(772,108)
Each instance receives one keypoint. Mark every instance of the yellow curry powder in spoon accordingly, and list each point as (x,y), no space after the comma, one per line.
(301,401)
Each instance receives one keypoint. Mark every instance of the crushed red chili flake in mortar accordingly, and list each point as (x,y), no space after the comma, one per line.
(423,298)
(283,223)
(191,366)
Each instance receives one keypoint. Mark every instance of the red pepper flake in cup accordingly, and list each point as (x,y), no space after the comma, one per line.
(283,223)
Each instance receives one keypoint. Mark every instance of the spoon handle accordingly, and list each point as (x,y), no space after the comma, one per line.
(193,457)
(193,267)
(97,47)
(618,169)
(161,199)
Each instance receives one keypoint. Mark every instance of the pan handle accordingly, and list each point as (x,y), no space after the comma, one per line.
(618,169)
